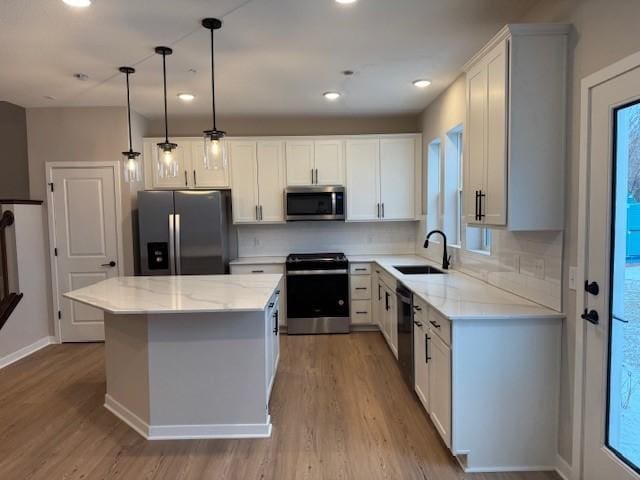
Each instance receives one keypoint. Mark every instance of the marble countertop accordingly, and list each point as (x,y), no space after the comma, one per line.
(179,294)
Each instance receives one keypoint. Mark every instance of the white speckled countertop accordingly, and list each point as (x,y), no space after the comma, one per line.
(179,294)
(455,295)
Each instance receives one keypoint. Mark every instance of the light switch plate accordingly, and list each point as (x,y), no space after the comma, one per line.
(573,274)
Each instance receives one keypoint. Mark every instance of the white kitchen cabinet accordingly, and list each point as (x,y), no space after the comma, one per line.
(191,170)
(257,181)
(315,162)
(360,294)
(244,181)
(420,361)
(514,133)
(300,162)
(360,312)
(439,373)
(271,181)
(329,162)
(381,178)
(266,268)
(363,179)
(397,169)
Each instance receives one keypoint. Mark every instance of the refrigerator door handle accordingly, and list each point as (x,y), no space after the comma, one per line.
(177,241)
(172,257)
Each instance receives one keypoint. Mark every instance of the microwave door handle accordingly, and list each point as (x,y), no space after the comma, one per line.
(333,203)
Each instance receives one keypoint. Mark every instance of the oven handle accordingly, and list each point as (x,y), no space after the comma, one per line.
(317,272)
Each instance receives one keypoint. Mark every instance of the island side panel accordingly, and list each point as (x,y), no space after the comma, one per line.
(127,368)
(207,375)
(506,376)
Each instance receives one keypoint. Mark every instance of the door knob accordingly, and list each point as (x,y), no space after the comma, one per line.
(591,316)
(110,264)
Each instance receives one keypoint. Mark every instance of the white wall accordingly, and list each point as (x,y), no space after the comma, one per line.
(308,237)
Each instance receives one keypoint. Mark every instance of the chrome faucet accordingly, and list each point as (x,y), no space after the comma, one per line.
(446,259)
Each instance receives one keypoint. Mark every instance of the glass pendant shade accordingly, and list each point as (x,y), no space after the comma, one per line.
(167,162)
(215,153)
(132,171)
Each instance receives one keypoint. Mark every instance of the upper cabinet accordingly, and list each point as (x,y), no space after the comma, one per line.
(257,180)
(315,162)
(381,177)
(191,170)
(515,129)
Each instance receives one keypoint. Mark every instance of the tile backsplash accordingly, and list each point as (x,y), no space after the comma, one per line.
(528,264)
(308,237)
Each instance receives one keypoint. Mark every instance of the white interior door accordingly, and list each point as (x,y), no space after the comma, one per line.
(611,429)
(86,229)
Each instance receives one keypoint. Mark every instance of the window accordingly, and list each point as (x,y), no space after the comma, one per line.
(452,186)
(478,239)
(434,220)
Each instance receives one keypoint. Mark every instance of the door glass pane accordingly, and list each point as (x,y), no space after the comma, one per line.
(623,429)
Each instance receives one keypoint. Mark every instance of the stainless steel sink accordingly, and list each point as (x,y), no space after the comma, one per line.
(417,269)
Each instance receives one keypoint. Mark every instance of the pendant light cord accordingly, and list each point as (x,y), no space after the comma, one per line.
(213,87)
(129,114)
(164,76)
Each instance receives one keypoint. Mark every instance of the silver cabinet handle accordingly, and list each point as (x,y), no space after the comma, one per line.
(378,210)
(312,175)
(257,217)
(172,238)
(383,210)
(178,266)
(195,179)
(261,217)
(186,181)
(316,176)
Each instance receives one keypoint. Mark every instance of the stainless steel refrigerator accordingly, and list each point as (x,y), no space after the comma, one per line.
(186,232)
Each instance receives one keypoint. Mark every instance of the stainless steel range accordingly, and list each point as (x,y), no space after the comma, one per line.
(317,293)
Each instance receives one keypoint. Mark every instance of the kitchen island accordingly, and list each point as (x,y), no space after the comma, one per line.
(189,356)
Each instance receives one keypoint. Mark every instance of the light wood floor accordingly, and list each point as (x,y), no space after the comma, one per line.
(340,411)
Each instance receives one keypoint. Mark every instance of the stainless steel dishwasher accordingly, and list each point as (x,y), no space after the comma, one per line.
(405,333)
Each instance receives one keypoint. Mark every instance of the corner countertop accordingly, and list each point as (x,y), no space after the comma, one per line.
(179,294)
(458,296)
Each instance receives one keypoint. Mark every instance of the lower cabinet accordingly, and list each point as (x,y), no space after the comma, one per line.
(360,293)
(385,308)
(432,366)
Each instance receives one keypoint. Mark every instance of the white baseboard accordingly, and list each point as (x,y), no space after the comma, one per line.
(564,469)
(186,432)
(26,351)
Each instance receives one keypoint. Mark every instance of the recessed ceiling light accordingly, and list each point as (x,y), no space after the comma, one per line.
(78,3)
(346,2)
(186,97)
(331,95)
(421,83)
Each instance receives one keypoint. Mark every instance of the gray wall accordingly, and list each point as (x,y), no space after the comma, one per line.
(603,33)
(14,173)
(270,126)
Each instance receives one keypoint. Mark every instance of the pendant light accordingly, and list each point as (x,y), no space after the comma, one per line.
(215,152)
(167,164)
(131,159)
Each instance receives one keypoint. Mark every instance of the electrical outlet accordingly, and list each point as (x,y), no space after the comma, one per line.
(573,278)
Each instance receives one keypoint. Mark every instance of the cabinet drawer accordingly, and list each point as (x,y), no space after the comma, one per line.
(248,269)
(361,312)
(440,326)
(360,268)
(360,287)
(420,312)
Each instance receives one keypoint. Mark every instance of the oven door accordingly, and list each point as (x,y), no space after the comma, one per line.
(311,204)
(317,295)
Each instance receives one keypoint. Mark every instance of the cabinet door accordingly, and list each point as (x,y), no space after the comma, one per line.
(440,386)
(397,170)
(182,155)
(495,202)
(329,162)
(393,322)
(271,181)
(363,179)
(244,181)
(203,177)
(475,138)
(300,162)
(421,365)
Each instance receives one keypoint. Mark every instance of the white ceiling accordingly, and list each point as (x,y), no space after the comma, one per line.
(274,57)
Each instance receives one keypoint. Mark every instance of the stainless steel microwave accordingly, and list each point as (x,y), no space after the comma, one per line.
(314,203)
